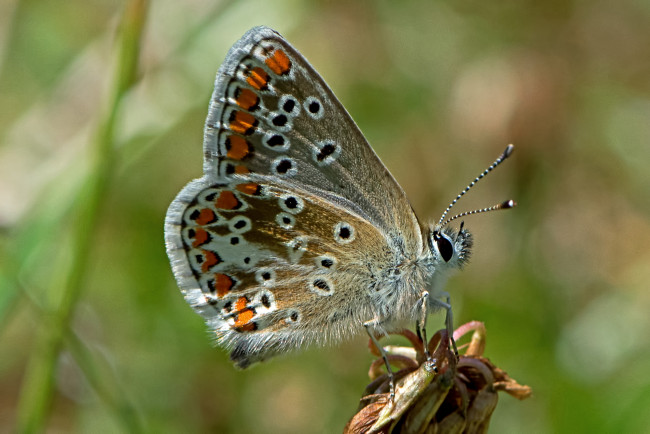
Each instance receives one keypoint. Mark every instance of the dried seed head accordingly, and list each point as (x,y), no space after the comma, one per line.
(442,394)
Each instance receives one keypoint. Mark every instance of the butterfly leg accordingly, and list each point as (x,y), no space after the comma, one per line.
(421,324)
(369,325)
(449,320)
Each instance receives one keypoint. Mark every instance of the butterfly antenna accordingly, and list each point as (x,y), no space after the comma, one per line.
(501,159)
(504,205)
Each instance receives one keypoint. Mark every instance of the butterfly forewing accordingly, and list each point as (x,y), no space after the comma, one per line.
(272,114)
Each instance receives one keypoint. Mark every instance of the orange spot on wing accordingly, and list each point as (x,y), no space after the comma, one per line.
(201,236)
(250,188)
(258,78)
(210,259)
(227,200)
(206,216)
(243,123)
(247,99)
(240,304)
(241,170)
(278,62)
(243,318)
(223,284)
(237,147)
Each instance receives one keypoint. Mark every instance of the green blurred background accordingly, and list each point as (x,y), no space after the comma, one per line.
(88,168)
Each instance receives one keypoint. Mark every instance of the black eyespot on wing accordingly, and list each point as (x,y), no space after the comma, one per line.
(275,140)
(326,151)
(291,202)
(288,105)
(314,107)
(279,120)
(283,166)
(322,285)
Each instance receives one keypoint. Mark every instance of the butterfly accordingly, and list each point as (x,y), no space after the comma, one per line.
(297,234)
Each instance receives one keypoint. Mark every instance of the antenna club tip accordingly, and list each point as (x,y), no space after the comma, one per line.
(508,204)
(508,152)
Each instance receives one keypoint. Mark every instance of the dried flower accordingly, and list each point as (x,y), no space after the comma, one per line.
(444,394)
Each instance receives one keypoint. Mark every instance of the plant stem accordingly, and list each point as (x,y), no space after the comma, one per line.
(38,384)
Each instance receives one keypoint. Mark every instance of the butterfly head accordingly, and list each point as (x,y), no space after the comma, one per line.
(450,248)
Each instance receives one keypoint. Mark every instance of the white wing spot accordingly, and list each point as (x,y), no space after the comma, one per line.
(289,105)
(240,224)
(264,302)
(344,233)
(293,316)
(314,107)
(285,220)
(326,152)
(284,166)
(265,276)
(291,203)
(321,285)
(296,248)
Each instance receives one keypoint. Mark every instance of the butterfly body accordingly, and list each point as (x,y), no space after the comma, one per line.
(296,233)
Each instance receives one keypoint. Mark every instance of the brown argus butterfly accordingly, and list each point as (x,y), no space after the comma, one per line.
(297,233)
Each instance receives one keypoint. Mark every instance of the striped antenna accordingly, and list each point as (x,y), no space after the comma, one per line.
(504,205)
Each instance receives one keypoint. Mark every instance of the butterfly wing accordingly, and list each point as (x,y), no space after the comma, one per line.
(271,268)
(272,114)
(297,232)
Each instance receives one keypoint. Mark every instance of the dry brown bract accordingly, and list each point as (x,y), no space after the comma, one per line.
(440,395)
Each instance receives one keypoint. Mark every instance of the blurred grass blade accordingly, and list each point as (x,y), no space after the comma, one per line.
(101,377)
(38,383)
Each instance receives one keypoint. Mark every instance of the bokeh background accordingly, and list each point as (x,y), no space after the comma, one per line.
(94,334)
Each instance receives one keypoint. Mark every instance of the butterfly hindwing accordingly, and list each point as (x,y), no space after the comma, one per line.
(276,267)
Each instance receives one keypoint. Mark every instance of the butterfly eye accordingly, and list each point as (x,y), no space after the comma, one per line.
(444,246)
